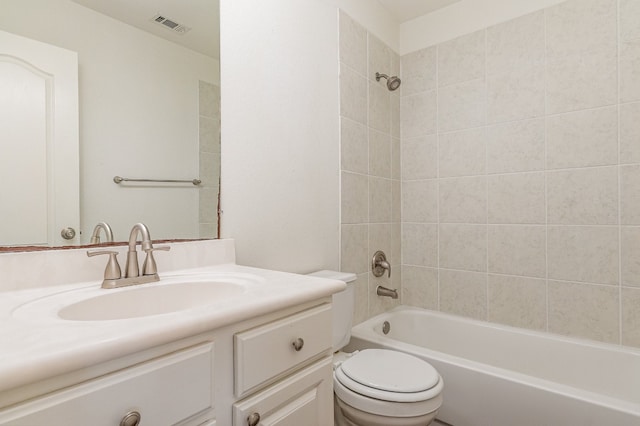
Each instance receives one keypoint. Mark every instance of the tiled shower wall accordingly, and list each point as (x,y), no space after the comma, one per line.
(370,164)
(521,172)
(209,158)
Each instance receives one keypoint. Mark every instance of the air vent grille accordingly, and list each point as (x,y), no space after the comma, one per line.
(170,24)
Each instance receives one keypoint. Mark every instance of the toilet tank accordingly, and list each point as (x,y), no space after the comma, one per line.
(343,306)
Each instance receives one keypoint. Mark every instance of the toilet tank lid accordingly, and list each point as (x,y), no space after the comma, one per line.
(347,277)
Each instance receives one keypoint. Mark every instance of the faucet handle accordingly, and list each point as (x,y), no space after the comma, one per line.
(112,271)
(149,266)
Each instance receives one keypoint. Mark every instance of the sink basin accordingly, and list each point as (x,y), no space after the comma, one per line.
(142,302)
(169,295)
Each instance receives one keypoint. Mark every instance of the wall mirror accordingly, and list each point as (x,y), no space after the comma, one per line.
(149,108)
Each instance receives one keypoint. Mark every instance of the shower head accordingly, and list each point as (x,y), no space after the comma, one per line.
(393,82)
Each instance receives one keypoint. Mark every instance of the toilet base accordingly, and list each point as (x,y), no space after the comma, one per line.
(346,415)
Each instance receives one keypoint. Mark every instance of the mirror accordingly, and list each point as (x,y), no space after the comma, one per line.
(149,108)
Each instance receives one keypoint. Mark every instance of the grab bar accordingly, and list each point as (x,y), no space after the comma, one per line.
(119,179)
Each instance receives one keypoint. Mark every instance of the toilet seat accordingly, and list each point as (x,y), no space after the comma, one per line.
(389,376)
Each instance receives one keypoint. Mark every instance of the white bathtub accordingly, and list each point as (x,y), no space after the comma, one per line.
(503,376)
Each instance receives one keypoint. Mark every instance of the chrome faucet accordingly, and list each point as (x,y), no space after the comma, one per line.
(108,234)
(379,264)
(112,274)
(387,292)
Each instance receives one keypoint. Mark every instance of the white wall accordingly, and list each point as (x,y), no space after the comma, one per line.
(280,113)
(138,114)
(461,18)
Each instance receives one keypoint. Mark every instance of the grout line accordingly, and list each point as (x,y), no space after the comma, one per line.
(546,204)
(437,135)
(486,168)
(618,47)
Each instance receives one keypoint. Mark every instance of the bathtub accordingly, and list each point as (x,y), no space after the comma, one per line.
(503,376)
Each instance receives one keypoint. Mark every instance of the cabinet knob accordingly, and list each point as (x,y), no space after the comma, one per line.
(253,419)
(298,344)
(132,418)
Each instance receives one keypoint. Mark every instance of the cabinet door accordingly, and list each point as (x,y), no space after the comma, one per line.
(305,398)
(164,391)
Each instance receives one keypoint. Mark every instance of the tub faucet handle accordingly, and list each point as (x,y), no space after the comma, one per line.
(379,264)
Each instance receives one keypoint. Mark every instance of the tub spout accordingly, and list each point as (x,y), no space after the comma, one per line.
(387,292)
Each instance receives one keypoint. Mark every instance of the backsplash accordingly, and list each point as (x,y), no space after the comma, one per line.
(521,172)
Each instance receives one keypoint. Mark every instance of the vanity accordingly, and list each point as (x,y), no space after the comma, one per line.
(211,343)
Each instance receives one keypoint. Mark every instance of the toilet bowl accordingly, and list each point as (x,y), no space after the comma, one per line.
(378,387)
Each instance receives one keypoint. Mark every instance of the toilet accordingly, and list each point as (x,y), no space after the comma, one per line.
(377,387)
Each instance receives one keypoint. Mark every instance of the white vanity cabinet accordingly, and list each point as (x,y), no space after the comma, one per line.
(295,353)
(172,389)
(274,369)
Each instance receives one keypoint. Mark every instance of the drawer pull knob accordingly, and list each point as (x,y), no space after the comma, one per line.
(298,344)
(253,419)
(132,418)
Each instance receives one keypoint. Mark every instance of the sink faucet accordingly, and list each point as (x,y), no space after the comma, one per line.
(108,234)
(112,275)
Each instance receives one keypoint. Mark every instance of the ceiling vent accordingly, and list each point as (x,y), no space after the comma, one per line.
(170,24)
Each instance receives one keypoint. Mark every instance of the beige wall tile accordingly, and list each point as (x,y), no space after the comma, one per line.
(353,44)
(379,59)
(518,301)
(516,44)
(630,133)
(629,19)
(379,154)
(418,114)
(463,293)
(583,196)
(581,55)
(630,195)
(420,201)
(461,59)
(516,147)
(462,106)
(418,71)
(630,71)
(420,157)
(353,95)
(396,159)
(354,240)
(379,200)
(396,245)
(354,198)
(518,250)
(354,146)
(584,310)
(380,239)
(420,287)
(583,253)
(395,115)
(420,245)
(516,95)
(631,316)
(396,201)
(462,153)
(379,108)
(463,247)
(630,256)
(209,134)
(361,308)
(463,200)
(583,138)
(517,198)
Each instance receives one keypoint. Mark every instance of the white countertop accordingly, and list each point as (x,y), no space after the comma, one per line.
(35,347)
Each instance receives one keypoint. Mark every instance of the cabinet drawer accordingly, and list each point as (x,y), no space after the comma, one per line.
(267,351)
(164,391)
(306,398)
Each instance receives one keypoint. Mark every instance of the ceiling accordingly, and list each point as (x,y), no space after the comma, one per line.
(202,16)
(405,10)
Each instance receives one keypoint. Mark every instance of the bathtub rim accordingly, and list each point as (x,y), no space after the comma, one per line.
(365,331)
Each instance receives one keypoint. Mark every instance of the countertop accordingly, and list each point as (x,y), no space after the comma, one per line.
(37,346)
